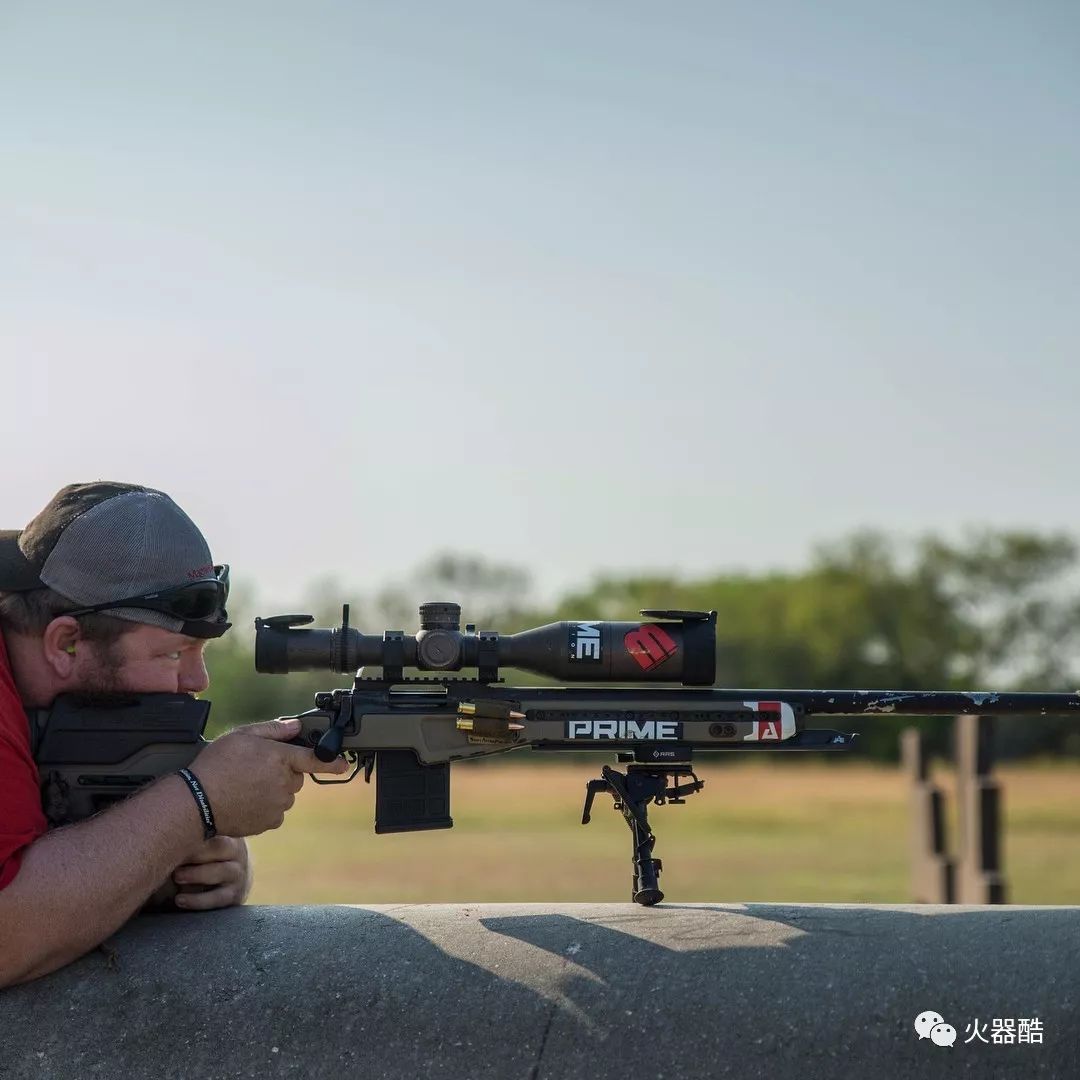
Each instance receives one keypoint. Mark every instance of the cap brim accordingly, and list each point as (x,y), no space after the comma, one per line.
(16,573)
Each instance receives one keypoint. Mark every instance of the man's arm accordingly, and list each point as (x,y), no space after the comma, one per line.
(79,884)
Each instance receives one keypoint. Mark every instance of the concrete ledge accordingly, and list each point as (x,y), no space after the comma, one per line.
(527,991)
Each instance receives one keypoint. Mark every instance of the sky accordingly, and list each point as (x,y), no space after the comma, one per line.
(585,287)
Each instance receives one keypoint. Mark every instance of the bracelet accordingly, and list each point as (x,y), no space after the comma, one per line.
(201,801)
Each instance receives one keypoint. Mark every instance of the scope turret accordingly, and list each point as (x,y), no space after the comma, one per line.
(440,616)
(672,646)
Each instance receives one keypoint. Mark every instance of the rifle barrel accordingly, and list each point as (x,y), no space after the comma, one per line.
(807,702)
(918,702)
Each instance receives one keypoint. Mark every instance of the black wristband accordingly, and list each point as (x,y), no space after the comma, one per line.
(201,801)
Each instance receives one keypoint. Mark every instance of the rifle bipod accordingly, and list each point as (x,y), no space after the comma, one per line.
(632,792)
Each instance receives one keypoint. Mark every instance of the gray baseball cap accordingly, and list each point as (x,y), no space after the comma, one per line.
(101,542)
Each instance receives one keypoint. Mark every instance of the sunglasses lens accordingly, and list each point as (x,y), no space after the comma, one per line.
(198,601)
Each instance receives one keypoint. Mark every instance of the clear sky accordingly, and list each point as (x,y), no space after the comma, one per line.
(581,286)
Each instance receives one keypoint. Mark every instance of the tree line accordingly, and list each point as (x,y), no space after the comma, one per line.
(995,610)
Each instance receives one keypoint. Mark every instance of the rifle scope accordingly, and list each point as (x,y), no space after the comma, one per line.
(672,646)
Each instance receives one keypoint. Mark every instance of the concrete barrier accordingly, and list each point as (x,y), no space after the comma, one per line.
(525,991)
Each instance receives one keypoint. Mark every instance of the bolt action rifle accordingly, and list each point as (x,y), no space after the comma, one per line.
(408,730)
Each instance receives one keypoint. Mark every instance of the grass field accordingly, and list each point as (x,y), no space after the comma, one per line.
(780,831)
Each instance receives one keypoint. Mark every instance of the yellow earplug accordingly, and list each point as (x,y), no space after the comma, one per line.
(70,650)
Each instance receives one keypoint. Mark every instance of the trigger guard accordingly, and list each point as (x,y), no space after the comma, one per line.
(353,758)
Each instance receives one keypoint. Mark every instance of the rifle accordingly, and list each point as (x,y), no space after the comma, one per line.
(407,730)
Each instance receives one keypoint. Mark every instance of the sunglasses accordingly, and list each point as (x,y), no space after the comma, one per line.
(197,602)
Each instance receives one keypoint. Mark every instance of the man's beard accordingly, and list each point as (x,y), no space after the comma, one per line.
(105,679)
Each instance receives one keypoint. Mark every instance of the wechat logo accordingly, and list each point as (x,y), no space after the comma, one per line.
(932,1026)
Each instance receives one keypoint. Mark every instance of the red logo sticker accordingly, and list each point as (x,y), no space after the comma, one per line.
(768,729)
(650,645)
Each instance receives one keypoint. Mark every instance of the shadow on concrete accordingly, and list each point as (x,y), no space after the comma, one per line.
(534,992)
(812,990)
(303,991)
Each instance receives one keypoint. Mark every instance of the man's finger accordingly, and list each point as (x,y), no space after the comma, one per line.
(225,896)
(305,761)
(217,850)
(212,873)
(282,730)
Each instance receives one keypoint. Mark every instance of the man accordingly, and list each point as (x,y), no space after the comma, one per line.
(112,588)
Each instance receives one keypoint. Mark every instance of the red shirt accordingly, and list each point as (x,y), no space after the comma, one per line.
(21,818)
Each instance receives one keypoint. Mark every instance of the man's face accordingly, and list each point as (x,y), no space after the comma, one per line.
(145,660)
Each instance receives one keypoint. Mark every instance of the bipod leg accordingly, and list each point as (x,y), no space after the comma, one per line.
(633,792)
(646,868)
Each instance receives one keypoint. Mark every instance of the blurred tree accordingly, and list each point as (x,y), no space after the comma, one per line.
(241,696)
(997,609)
(485,590)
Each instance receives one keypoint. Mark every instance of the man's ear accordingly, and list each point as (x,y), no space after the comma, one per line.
(60,645)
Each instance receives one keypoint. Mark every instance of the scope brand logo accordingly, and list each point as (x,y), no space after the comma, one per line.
(584,643)
(931,1025)
(650,645)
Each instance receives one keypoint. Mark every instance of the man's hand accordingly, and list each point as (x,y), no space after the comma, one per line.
(216,875)
(251,775)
